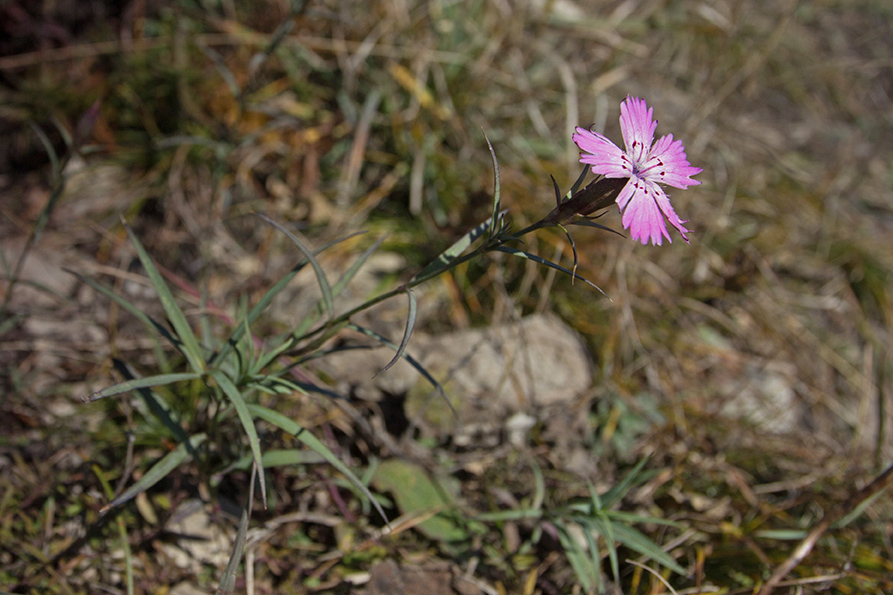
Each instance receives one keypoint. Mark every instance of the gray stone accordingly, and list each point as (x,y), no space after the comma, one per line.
(489,374)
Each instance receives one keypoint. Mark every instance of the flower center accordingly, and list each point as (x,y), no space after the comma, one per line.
(649,168)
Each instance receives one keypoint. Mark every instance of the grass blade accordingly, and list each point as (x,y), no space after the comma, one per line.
(632,518)
(591,223)
(595,554)
(311,441)
(407,333)
(576,185)
(282,458)
(131,309)
(122,533)
(580,562)
(613,496)
(268,297)
(324,286)
(339,287)
(50,150)
(446,258)
(412,361)
(510,515)
(228,580)
(637,541)
(494,218)
(604,527)
(188,342)
(235,397)
(138,383)
(159,471)
(540,260)
(156,404)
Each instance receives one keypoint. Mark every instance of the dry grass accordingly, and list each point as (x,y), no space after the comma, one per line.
(752,365)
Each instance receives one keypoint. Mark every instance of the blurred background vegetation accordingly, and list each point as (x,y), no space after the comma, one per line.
(751,366)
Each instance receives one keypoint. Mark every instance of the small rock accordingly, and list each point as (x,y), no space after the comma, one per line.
(387,578)
(202,540)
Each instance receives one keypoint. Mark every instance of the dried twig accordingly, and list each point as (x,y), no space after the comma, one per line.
(877,485)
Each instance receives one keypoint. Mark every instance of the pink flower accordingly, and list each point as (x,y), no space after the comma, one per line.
(642,201)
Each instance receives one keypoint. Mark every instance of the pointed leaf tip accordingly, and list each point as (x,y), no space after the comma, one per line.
(407,333)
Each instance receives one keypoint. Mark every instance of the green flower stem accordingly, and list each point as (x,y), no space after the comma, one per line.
(340,320)
(538,225)
(343,318)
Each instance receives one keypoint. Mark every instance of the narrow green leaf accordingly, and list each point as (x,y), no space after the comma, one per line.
(138,383)
(147,320)
(573,244)
(322,336)
(246,354)
(159,408)
(412,361)
(596,556)
(593,495)
(189,343)
(606,530)
(64,133)
(339,287)
(276,39)
(122,531)
(494,218)
(539,494)
(228,580)
(265,359)
(159,471)
(282,458)
(446,258)
(557,193)
(274,385)
(228,77)
(235,397)
(407,332)
(128,555)
(586,572)
(296,430)
(50,150)
(781,534)
(540,260)
(635,540)
(857,511)
(591,223)
(324,286)
(631,518)
(509,515)
(204,323)
(613,495)
(579,181)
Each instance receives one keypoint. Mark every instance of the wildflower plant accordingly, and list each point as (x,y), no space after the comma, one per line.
(646,165)
(234,373)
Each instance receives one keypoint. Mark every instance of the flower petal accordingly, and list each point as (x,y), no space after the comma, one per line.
(641,214)
(663,202)
(604,157)
(668,164)
(637,126)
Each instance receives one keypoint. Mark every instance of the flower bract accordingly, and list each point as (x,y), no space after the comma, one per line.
(644,204)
